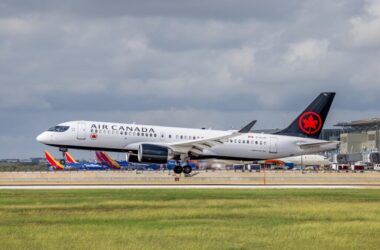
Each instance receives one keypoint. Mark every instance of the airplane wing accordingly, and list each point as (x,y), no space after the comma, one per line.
(197,146)
(308,145)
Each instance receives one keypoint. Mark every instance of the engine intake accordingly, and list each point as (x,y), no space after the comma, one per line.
(151,153)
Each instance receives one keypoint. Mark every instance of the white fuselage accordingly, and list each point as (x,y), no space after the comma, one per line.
(127,138)
(307,160)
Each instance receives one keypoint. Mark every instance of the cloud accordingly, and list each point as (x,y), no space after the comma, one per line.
(365,32)
(201,63)
(309,51)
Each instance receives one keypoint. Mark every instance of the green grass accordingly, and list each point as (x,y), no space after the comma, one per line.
(190,219)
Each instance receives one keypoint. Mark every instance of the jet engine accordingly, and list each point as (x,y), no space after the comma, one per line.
(132,158)
(151,153)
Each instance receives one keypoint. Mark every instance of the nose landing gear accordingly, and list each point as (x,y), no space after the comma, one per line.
(63,150)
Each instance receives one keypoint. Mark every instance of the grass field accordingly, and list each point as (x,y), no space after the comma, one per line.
(190,219)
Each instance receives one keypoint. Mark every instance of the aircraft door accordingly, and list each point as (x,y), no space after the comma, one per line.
(81,131)
(273,141)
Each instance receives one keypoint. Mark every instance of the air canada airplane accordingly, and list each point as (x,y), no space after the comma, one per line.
(158,144)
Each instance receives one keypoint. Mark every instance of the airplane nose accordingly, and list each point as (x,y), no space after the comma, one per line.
(39,138)
(42,137)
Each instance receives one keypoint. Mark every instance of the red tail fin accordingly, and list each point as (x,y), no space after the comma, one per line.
(70,158)
(53,162)
(109,161)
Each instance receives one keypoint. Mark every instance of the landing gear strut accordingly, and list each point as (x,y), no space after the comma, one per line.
(63,150)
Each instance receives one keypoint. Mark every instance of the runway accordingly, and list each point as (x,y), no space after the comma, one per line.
(189,186)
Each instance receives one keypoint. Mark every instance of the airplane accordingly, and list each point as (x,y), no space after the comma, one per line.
(308,160)
(72,164)
(158,144)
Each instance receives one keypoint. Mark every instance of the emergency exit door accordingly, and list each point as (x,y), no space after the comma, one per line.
(81,131)
(273,145)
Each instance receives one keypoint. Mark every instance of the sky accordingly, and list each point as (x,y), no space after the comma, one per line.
(208,63)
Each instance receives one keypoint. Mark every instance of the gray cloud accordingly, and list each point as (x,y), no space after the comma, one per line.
(199,63)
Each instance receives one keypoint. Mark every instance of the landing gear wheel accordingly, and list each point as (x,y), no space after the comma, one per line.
(62,161)
(187,169)
(178,169)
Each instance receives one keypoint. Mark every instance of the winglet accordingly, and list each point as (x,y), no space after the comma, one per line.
(248,127)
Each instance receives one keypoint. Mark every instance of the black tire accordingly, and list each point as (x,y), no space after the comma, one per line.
(187,169)
(178,169)
(62,161)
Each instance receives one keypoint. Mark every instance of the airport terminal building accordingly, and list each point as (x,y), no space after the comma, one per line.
(359,141)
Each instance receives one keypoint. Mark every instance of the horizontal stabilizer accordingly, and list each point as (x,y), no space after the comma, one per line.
(316,144)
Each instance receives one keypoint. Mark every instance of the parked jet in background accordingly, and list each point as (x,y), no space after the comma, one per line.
(74,165)
(157,144)
(105,159)
(308,160)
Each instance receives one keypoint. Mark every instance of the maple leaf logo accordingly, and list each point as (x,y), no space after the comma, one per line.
(310,123)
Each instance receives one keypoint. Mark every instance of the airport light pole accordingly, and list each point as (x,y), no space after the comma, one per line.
(265,167)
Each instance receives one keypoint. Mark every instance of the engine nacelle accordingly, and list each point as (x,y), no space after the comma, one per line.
(151,153)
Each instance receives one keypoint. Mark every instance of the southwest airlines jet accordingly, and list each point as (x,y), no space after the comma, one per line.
(158,144)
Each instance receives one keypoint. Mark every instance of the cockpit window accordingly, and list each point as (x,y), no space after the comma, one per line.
(59,128)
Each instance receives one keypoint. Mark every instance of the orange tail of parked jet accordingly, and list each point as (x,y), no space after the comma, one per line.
(70,158)
(53,162)
(103,157)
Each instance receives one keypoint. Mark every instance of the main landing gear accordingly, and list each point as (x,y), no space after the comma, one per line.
(178,169)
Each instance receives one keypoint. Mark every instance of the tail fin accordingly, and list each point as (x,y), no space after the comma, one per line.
(109,161)
(99,158)
(70,158)
(53,162)
(310,122)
